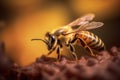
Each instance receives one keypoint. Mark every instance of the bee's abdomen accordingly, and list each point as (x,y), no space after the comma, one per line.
(92,40)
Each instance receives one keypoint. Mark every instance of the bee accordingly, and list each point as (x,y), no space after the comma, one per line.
(74,33)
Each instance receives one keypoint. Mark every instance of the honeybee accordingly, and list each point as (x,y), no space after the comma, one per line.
(74,33)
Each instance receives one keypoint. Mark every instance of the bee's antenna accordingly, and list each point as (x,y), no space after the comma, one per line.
(40,40)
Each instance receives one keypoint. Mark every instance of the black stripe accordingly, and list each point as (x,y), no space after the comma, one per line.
(101,47)
(99,43)
(96,43)
(91,40)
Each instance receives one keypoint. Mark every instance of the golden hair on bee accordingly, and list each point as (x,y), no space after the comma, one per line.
(70,34)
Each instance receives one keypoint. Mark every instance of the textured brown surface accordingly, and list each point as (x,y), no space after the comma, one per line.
(105,66)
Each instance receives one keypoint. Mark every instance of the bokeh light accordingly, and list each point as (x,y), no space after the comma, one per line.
(19,34)
(102,8)
(28,19)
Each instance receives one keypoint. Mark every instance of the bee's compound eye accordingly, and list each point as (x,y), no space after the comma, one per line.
(52,39)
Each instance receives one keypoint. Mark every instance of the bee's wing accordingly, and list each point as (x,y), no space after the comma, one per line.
(82,23)
(82,20)
(89,26)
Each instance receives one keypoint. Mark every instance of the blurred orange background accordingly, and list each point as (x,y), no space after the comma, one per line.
(27,19)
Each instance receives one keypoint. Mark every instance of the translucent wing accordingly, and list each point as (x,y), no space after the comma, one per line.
(82,23)
(82,20)
(89,26)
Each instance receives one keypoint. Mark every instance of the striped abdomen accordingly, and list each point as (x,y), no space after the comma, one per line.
(92,40)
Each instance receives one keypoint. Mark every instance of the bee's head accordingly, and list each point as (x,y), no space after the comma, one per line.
(50,40)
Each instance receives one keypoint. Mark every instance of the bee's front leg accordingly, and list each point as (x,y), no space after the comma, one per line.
(51,51)
(58,53)
(58,50)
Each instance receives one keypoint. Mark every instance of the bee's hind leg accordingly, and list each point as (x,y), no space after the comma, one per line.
(83,43)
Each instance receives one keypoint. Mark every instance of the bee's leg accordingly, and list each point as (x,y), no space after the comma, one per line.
(51,51)
(72,50)
(90,50)
(58,53)
(83,43)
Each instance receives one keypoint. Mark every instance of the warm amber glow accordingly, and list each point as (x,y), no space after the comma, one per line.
(102,8)
(31,23)
(18,36)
